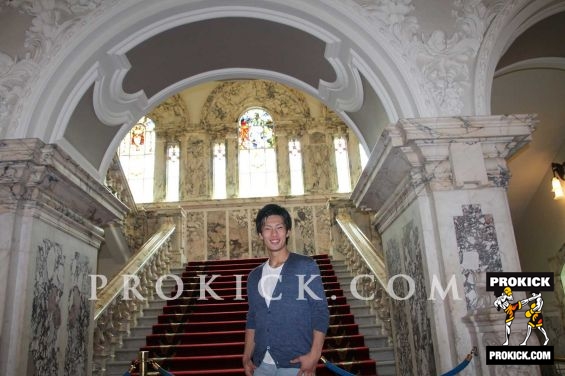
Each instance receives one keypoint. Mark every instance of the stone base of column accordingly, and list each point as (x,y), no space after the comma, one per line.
(487,328)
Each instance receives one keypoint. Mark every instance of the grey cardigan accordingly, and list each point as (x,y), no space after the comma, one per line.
(285,328)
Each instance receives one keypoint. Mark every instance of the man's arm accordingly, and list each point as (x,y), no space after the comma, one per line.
(308,362)
(248,348)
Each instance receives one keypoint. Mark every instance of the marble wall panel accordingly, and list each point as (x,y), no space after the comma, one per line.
(195,177)
(412,248)
(47,309)
(195,246)
(400,317)
(304,240)
(61,312)
(231,233)
(238,233)
(323,230)
(403,249)
(257,246)
(216,235)
(478,249)
(78,315)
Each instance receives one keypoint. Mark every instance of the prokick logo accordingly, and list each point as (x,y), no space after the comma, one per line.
(504,285)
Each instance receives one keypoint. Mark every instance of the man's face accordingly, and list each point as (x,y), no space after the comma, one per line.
(508,292)
(274,233)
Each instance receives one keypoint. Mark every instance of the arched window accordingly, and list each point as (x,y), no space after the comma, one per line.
(295,163)
(173,171)
(342,164)
(219,171)
(137,156)
(257,156)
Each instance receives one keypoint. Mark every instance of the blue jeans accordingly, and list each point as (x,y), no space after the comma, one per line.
(266,369)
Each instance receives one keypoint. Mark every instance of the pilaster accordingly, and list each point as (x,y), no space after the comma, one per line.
(160,171)
(438,187)
(51,213)
(283,166)
(232,167)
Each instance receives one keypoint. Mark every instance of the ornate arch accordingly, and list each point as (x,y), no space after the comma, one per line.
(227,102)
(172,112)
(512,19)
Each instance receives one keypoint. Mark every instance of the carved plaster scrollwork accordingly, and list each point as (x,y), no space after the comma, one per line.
(112,105)
(52,24)
(346,92)
(227,102)
(439,61)
(173,112)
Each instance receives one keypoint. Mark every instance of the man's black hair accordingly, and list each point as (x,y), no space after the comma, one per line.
(272,209)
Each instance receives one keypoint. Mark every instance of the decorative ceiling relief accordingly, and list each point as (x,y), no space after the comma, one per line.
(171,113)
(51,26)
(441,62)
(224,105)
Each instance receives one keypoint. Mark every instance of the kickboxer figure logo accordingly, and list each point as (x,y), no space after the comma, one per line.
(536,318)
(504,302)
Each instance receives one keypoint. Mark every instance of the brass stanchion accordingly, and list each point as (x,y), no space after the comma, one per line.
(143,356)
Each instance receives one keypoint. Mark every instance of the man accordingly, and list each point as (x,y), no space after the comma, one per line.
(536,318)
(503,302)
(288,313)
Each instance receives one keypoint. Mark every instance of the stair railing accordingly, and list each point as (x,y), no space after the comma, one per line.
(114,314)
(363,258)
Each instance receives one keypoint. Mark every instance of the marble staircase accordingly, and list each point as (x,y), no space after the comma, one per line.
(379,348)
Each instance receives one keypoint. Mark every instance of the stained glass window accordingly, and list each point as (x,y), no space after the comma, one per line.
(257,156)
(137,156)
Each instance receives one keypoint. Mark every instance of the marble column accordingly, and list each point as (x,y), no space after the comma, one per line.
(438,186)
(320,176)
(51,213)
(184,177)
(283,166)
(232,168)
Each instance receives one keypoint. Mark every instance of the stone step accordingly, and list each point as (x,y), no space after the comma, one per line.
(380,349)
(386,368)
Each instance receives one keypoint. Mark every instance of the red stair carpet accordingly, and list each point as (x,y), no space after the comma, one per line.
(205,337)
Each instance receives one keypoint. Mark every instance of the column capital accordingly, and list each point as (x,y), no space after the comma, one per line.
(42,175)
(442,153)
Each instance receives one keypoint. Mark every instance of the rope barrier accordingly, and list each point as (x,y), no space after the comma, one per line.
(461,365)
(335,369)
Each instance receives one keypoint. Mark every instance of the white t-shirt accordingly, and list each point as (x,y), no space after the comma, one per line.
(269,278)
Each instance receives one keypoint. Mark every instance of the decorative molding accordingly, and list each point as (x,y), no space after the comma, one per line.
(53,24)
(512,19)
(439,63)
(172,113)
(424,149)
(227,101)
(39,174)
(112,105)
(346,92)
(557,63)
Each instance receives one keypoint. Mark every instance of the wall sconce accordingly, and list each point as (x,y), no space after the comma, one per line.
(559,170)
